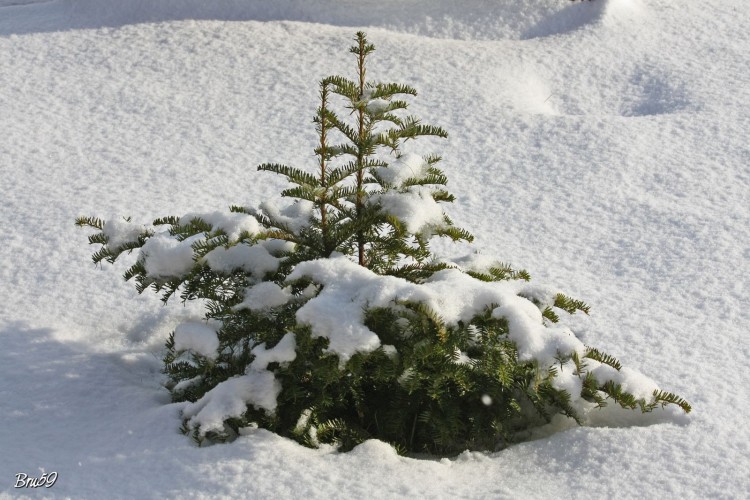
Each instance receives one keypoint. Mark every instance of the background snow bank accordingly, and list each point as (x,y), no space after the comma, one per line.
(620,172)
(471,19)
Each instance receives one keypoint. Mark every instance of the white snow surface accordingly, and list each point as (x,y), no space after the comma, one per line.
(601,145)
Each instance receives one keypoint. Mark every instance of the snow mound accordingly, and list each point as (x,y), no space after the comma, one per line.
(608,13)
(465,20)
(636,90)
(120,232)
(374,450)
(16,3)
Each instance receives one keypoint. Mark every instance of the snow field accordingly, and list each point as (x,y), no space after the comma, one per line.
(601,146)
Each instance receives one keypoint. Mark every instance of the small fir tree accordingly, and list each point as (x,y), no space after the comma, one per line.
(329,320)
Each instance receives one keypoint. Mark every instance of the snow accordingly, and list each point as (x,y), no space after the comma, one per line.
(337,313)
(415,208)
(197,337)
(258,387)
(282,352)
(264,295)
(230,399)
(166,257)
(255,259)
(412,205)
(258,259)
(348,290)
(600,145)
(121,232)
(294,215)
(407,166)
(232,224)
(377,105)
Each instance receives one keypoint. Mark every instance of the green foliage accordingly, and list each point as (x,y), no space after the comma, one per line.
(570,305)
(602,358)
(432,386)
(664,398)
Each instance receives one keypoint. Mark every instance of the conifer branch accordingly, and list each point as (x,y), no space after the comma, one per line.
(381,90)
(98,239)
(550,314)
(336,175)
(343,87)
(570,305)
(664,398)
(94,222)
(602,357)
(170,220)
(292,174)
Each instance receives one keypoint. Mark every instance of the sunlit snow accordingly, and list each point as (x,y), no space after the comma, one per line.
(600,145)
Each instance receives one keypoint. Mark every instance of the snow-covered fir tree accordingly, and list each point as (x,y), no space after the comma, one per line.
(329,319)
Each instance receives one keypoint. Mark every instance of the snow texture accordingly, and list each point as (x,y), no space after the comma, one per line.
(283,352)
(407,166)
(294,215)
(230,398)
(255,259)
(257,387)
(412,205)
(264,295)
(197,337)
(415,208)
(166,257)
(348,290)
(121,232)
(601,145)
(232,224)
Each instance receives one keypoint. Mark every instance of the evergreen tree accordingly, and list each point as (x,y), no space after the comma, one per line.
(329,320)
